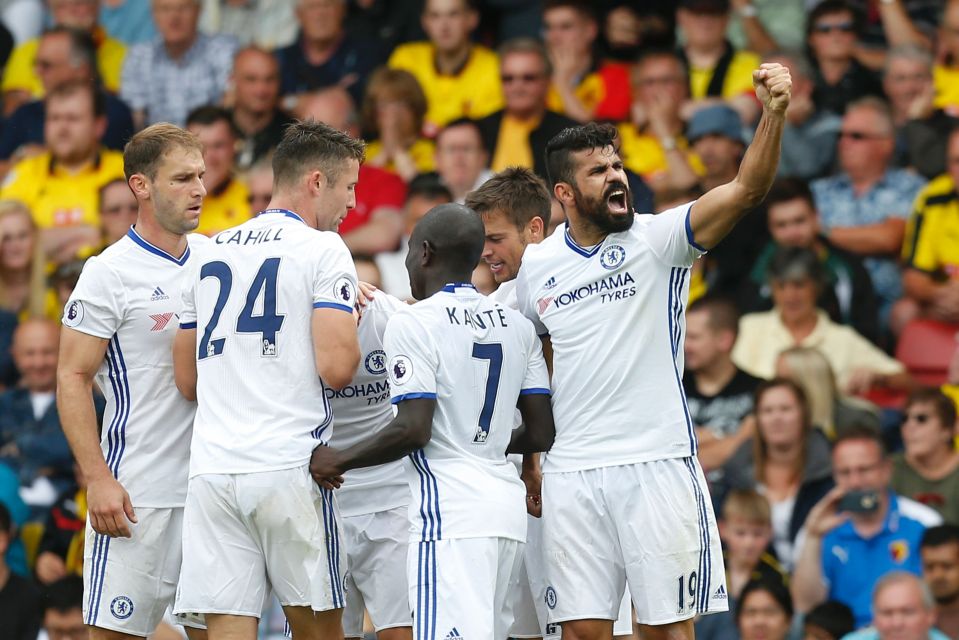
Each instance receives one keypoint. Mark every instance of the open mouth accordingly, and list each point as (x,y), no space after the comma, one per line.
(616,201)
(496,267)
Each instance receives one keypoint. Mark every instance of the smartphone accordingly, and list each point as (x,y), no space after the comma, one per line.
(859,501)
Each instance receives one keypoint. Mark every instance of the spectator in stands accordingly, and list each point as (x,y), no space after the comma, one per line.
(931,254)
(939,550)
(367,271)
(425,192)
(653,143)
(829,410)
(269,24)
(392,115)
(516,135)
(830,620)
(847,296)
(864,208)
(23,265)
(21,82)
(716,134)
(584,87)
(718,393)
(847,545)
(765,26)
(31,440)
(118,211)
(63,54)
(461,158)
(922,127)
(325,54)
(225,204)
(902,609)
(787,458)
(765,611)
(63,280)
(811,133)
(717,72)
(928,470)
(831,34)
(460,78)
(946,71)
(796,279)
(129,21)
(20,602)
(60,551)
(181,70)
(63,609)
(375,223)
(892,24)
(61,186)
(745,529)
(257,117)
(259,183)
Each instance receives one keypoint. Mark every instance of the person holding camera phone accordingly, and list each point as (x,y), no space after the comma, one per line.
(859,531)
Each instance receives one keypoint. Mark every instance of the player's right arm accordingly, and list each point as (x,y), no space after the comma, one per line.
(108,503)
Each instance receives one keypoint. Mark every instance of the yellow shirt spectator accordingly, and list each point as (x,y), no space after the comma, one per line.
(644,154)
(932,234)
(224,208)
(20,76)
(422,152)
(474,92)
(946,81)
(738,80)
(58,198)
(512,144)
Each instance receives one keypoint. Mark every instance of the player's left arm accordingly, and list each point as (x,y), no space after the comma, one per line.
(184,362)
(717,211)
(537,431)
(410,429)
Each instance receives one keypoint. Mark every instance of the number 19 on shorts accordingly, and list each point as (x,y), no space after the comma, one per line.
(687,591)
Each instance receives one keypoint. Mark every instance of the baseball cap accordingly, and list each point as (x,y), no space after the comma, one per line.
(717,120)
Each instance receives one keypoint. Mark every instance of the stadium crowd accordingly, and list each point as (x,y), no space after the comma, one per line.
(821,365)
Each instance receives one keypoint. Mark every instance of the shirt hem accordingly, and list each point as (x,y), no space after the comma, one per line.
(553,467)
(241,471)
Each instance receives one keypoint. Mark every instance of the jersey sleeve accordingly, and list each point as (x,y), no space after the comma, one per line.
(536,380)
(96,305)
(412,360)
(382,308)
(670,236)
(525,305)
(334,279)
(188,303)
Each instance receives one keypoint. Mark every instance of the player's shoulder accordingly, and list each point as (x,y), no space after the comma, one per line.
(113,256)
(550,248)
(383,302)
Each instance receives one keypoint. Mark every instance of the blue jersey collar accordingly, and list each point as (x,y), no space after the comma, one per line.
(155,250)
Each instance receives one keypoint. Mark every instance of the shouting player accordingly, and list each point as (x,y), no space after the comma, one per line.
(119,325)
(267,320)
(624,498)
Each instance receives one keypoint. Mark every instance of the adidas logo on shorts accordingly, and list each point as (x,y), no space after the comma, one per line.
(720,593)
(453,635)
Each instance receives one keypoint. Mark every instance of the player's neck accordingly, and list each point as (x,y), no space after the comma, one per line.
(583,232)
(173,243)
(433,282)
(296,205)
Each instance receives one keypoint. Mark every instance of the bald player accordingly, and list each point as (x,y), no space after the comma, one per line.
(458,365)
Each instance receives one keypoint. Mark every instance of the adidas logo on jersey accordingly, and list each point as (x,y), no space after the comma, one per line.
(158,294)
(453,635)
(550,283)
(720,593)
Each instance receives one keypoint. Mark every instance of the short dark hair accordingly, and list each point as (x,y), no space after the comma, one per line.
(146,149)
(788,260)
(559,150)
(210,114)
(308,145)
(939,535)
(827,7)
(98,101)
(582,7)
(723,314)
(942,404)
(862,433)
(66,594)
(428,186)
(460,122)
(833,617)
(83,49)
(787,190)
(776,588)
(517,192)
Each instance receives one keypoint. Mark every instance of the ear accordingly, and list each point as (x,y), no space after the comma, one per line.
(315,182)
(426,257)
(536,230)
(564,193)
(140,186)
(726,340)
(100,127)
(473,19)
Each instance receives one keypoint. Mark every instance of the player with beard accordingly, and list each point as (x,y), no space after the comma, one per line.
(624,498)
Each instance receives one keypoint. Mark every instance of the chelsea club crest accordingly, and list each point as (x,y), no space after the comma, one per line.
(612,256)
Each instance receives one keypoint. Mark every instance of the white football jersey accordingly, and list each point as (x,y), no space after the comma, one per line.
(615,315)
(130,295)
(475,357)
(261,404)
(362,410)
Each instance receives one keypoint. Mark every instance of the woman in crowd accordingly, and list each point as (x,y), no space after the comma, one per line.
(23,289)
(765,611)
(829,410)
(787,461)
(928,470)
(392,116)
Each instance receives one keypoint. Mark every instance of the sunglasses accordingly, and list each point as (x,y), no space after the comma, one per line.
(844,27)
(521,77)
(860,135)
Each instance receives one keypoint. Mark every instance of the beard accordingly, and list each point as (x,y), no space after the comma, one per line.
(600,211)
